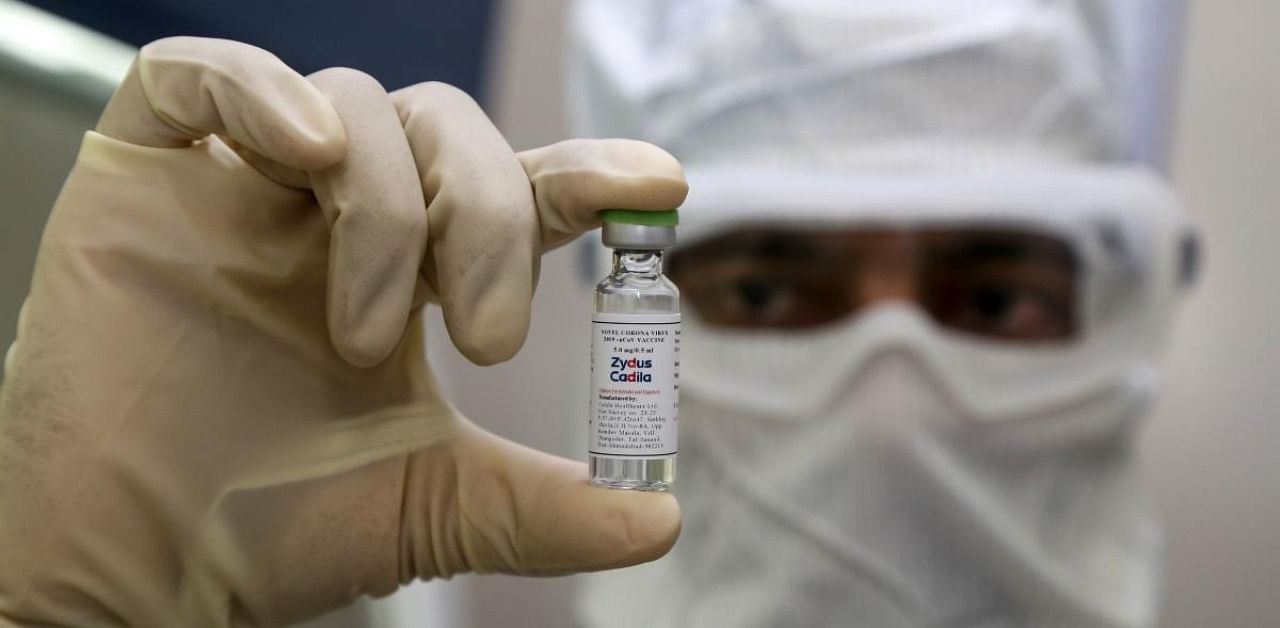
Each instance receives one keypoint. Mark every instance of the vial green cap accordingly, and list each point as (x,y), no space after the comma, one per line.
(662,218)
(639,230)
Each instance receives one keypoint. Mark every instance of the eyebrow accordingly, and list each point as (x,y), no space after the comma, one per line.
(999,248)
(761,245)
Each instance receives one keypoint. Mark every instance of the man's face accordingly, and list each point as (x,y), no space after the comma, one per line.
(1004,284)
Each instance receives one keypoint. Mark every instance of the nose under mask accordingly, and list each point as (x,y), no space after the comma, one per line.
(890,504)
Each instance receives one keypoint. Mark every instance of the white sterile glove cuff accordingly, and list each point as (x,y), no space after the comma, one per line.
(218,409)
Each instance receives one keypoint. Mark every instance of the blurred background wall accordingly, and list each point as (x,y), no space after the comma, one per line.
(1215,433)
(401,42)
(1211,440)
(54,80)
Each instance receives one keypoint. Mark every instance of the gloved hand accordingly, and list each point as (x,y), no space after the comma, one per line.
(218,410)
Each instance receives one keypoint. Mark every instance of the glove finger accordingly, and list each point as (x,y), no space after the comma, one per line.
(573,180)
(373,201)
(181,89)
(516,510)
(484,253)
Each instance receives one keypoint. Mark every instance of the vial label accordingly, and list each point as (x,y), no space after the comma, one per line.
(635,367)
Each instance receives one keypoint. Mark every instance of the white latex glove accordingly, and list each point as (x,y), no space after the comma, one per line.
(218,410)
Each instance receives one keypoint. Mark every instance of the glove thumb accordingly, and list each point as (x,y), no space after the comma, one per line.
(485,504)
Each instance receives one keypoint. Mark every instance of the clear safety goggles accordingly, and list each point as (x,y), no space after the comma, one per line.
(1021,287)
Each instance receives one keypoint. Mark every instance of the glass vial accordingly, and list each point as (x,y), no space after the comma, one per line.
(635,349)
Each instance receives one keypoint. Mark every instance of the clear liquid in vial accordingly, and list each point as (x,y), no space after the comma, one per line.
(635,373)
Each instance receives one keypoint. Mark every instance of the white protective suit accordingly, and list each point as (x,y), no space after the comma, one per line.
(884,470)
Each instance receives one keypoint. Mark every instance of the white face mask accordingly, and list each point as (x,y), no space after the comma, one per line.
(884,505)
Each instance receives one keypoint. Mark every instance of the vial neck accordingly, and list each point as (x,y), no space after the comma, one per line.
(637,262)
